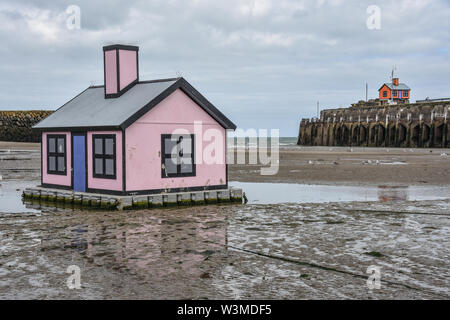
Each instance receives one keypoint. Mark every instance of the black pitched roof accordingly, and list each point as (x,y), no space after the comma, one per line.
(90,110)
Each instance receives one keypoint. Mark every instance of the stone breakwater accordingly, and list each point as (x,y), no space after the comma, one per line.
(16,125)
(416,125)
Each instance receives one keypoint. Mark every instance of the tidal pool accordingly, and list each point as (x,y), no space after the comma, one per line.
(11,196)
(272,193)
(276,193)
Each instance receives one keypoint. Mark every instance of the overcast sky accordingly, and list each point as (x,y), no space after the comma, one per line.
(264,63)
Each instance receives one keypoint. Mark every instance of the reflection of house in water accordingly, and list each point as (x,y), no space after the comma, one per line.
(389,193)
(154,245)
(79,242)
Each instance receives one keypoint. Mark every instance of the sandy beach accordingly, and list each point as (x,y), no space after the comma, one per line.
(326,165)
(353,166)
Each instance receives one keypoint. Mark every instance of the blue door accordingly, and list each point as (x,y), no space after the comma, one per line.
(79,162)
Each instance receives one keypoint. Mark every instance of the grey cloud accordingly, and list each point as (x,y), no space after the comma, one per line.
(264,63)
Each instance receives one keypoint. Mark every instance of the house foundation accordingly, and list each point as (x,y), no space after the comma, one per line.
(56,197)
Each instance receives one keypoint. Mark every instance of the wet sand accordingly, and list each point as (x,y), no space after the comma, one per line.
(285,251)
(353,166)
(312,165)
(291,250)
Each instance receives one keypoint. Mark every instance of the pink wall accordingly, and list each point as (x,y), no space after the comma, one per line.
(106,184)
(143,145)
(55,178)
(128,67)
(110,72)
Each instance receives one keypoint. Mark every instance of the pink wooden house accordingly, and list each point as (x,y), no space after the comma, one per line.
(119,138)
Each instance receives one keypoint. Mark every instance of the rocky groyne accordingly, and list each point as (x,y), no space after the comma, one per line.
(16,125)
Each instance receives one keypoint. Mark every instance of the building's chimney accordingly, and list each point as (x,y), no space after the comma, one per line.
(121,70)
(395,81)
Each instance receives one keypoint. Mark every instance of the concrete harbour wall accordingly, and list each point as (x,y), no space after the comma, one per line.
(418,125)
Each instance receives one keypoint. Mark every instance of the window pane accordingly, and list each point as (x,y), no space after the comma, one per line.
(109,167)
(186,160)
(170,146)
(52,163)
(186,168)
(186,165)
(98,146)
(51,145)
(98,166)
(171,166)
(186,145)
(60,145)
(109,146)
(61,164)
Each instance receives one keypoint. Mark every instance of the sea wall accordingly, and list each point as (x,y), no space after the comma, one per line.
(16,125)
(416,125)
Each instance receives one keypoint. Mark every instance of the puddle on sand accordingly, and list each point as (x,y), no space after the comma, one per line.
(271,193)
(11,196)
(275,193)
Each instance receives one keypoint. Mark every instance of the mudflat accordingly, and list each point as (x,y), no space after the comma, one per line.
(299,248)
(332,165)
(5,145)
(352,166)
